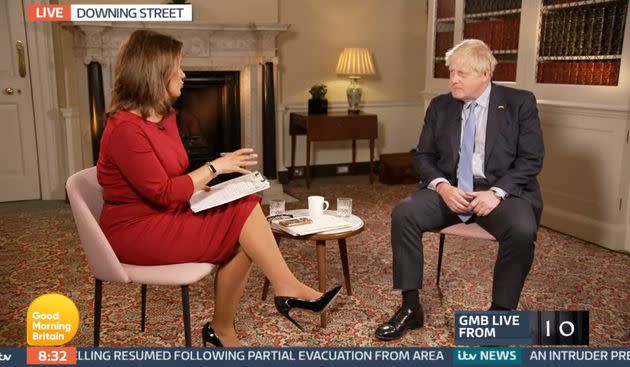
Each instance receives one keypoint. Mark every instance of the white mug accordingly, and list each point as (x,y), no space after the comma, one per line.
(316,206)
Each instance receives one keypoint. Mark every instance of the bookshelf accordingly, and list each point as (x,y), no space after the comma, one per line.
(581,42)
(495,22)
(444,35)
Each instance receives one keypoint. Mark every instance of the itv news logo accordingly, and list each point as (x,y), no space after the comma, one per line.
(109,13)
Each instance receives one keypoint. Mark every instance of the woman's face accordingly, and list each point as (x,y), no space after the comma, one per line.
(176,81)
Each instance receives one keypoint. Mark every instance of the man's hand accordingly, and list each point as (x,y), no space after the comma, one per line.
(456,199)
(484,202)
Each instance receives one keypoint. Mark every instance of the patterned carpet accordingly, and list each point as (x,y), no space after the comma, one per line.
(40,253)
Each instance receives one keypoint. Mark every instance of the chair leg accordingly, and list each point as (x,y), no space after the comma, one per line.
(439,269)
(143,296)
(98,294)
(186,306)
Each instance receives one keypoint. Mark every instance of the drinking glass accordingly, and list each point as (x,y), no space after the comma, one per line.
(276,206)
(344,207)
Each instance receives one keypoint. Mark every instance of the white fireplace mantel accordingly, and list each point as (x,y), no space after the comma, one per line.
(207,46)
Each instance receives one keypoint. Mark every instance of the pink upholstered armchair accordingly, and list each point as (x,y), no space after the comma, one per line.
(86,200)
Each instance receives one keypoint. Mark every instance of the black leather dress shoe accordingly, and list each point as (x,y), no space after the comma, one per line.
(404,319)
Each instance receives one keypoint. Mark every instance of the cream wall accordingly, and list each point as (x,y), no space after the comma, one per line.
(394,30)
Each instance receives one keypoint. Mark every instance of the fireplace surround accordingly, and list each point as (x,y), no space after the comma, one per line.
(236,52)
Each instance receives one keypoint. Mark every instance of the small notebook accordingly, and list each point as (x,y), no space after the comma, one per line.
(229,191)
(310,225)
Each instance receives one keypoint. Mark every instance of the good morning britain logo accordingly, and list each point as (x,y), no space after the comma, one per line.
(110,13)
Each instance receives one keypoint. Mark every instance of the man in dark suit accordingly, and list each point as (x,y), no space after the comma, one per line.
(478,156)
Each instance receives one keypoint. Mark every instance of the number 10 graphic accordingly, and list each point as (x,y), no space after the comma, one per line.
(561,328)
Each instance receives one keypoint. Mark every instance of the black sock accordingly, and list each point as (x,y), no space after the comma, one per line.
(495,307)
(411,299)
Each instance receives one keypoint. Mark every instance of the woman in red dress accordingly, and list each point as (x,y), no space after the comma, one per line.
(147,217)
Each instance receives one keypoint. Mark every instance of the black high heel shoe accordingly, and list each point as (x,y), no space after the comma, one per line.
(285,304)
(209,336)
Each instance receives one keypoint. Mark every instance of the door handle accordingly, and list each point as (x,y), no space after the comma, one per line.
(19,46)
(10,91)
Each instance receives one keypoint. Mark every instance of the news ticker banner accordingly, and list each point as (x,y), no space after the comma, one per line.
(494,328)
(110,13)
(316,357)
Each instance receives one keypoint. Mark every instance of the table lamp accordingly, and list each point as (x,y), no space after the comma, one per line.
(355,62)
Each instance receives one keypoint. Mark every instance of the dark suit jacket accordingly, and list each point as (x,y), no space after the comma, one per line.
(514,145)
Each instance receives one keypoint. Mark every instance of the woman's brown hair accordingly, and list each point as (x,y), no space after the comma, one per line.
(145,63)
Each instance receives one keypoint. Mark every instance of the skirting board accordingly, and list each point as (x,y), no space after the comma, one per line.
(611,236)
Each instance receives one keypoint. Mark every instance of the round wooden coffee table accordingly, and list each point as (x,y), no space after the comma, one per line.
(320,242)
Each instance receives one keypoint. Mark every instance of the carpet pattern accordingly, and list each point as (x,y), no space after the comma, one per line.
(40,253)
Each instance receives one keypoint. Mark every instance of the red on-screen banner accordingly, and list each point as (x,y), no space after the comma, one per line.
(48,13)
(51,355)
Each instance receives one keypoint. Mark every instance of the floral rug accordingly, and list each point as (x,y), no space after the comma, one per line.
(40,253)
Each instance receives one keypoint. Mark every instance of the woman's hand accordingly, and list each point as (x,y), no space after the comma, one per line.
(230,162)
(235,161)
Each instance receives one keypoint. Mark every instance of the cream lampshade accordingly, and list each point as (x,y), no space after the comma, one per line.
(355,62)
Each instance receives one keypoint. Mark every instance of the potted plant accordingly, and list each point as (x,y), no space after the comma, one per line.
(318,104)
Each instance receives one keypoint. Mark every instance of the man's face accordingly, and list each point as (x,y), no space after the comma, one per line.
(465,83)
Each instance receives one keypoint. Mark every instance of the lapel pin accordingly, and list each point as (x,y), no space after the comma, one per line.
(501,106)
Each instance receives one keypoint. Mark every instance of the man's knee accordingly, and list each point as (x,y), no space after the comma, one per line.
(523,234)
(403,212)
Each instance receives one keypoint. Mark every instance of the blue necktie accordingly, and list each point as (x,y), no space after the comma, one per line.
(464,169)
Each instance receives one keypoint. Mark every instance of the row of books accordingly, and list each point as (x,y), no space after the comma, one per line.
(445,9)
(443,41)
(505,71)
(440,70)
(579,72)
(486,6)
(501,34)
(558,2)
(582,31)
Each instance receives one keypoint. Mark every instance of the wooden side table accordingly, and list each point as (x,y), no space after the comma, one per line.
(332,126)
(320,239)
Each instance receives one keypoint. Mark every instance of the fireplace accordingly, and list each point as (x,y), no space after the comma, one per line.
(231,67)
(208,117)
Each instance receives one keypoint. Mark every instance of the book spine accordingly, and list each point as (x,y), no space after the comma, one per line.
(622,10)
(581,29)
(611,17)
(598,33)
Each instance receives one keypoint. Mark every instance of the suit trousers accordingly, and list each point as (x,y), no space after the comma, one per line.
(512,223)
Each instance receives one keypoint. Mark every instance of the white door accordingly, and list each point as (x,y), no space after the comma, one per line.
(19,172)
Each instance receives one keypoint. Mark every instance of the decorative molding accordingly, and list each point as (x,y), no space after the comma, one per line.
(339,105)
(590,110)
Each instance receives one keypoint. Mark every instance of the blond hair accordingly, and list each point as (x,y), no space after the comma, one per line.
(474,53)
(145,63)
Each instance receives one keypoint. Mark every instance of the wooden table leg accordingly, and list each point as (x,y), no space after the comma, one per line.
(343,251)
(266,284)
(321,272)
(371,160)
(307,174)
(292,171)
(354,155)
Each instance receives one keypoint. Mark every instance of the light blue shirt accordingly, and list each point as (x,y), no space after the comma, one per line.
(479,153)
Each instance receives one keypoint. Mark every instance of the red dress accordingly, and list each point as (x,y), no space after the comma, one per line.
(146,216)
